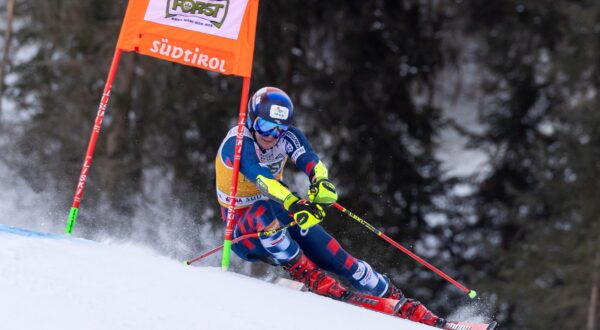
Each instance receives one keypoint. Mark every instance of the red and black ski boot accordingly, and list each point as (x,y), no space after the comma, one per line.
(393,292)
(413,310)
(304,270)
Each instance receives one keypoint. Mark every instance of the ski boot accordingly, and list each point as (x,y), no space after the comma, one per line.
(304,270)
(413,310)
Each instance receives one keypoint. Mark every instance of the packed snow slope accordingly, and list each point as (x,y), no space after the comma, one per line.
(50,281)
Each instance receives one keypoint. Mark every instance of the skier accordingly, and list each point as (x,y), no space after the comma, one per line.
(264,203)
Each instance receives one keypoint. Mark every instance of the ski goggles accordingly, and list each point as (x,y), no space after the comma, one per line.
(267,128)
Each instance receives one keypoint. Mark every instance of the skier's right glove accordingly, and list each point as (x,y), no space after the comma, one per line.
(305,213)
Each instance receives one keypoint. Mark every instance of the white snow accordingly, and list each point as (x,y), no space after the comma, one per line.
(60,282)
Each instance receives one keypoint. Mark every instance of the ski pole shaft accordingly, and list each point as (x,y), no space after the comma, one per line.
(472,294)
(239,239)
(218,248)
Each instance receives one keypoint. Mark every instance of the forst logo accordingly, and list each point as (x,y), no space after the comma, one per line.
(213,11)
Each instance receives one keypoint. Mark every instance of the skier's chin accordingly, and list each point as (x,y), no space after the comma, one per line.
(265,142)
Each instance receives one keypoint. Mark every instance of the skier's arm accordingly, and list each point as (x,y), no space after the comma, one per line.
(259,175)
(321,190)
(306,213)
(302,155)
(249,165)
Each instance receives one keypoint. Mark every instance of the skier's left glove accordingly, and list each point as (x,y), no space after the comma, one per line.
(322,191)
(307,214)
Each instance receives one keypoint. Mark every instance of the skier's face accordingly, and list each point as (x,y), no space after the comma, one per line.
(265,142)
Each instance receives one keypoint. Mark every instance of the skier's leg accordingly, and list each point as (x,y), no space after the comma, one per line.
(302,269)
(275,249)
(327,253)
(280,249)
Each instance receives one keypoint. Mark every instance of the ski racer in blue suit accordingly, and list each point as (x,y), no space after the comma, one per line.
(264,203)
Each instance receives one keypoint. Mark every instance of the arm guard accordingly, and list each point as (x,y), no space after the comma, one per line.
(320,172)
(276,191)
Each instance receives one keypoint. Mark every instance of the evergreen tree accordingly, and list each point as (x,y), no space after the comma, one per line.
(534,209)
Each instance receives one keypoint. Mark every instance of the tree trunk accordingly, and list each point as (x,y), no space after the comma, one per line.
(10,9)
(593,305)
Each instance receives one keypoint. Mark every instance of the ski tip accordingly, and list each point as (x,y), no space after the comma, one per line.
(493,326)
(458,325)
(472,294)
(185,262)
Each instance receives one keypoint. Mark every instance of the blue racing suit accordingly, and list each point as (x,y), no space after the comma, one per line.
(257,210)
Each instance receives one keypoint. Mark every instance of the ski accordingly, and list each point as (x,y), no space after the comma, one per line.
(379,304)
(392,307)
(387,306)
(456,325)
(290,284)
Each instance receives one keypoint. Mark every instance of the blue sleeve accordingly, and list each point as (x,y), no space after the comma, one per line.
(250,165)
(300,151)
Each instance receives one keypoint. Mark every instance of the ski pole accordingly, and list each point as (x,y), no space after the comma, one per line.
(241,238)
(472,293)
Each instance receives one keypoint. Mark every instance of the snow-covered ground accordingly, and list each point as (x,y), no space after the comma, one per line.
(52,281)
(57,282)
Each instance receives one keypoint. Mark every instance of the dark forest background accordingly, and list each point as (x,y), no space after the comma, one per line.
(367,78)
